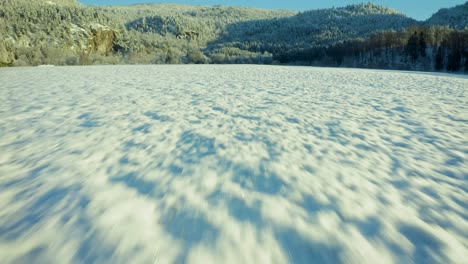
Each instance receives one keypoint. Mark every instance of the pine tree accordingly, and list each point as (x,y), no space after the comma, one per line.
(454,61)
(439,60)
(422,45)
(455,56)
(412,48)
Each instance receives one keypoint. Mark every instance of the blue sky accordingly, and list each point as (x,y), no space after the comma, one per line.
(418,9)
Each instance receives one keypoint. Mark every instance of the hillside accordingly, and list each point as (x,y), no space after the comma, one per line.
(160,24)
(67,32)
(46,32)
(316,27)
(455,17)
(32,30)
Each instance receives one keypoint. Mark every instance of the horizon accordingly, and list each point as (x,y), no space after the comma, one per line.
(418,9)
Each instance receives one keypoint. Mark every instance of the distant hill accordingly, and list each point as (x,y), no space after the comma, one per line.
(455,17)
(317,27)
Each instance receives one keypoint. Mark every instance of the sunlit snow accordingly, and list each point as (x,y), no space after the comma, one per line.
(232,164)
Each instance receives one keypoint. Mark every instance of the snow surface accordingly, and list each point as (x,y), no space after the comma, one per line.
(232,164)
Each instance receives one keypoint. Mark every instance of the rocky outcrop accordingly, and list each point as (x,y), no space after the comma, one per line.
(101,40)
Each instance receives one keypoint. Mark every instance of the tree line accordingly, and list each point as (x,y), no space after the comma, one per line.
(415,48)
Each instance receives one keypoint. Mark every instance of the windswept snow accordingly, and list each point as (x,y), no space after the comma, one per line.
(232,164)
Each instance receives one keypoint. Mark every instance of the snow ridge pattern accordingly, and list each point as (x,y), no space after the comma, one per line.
(232,164)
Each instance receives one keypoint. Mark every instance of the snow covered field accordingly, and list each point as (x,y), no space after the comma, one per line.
(232,164)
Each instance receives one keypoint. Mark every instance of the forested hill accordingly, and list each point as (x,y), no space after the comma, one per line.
(57,32)
(316,27)
(455,17)
(65,32)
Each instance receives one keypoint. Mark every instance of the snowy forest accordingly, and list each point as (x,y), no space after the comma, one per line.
(37,32)
(416,48)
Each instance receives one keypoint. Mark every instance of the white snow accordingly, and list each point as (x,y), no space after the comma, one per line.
(232,164)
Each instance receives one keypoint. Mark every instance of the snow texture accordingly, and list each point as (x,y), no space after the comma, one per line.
(232,164)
